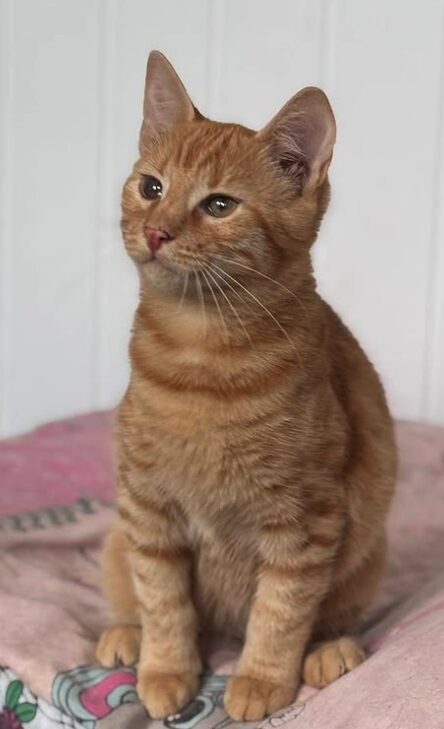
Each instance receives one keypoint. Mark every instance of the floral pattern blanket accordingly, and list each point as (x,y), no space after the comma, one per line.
(55,506)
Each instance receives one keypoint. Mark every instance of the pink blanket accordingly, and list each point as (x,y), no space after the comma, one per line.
(55,492)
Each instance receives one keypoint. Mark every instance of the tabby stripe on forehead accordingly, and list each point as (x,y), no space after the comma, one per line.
(196,152)
(214,154)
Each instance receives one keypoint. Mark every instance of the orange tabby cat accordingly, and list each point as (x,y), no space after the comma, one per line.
(256,460)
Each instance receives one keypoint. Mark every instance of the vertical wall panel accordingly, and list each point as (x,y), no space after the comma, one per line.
(179,30)
(434,357)
(375,268)
(71,86)
(6,162)
(53,198)
(266,52)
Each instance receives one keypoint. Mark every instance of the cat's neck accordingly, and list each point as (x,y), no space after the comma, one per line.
(198,324)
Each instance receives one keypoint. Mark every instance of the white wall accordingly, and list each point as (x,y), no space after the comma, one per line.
(71,83)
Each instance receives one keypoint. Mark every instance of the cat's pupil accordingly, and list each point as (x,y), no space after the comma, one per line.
(150,187)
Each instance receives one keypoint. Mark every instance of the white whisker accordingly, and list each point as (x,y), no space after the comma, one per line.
(224,323)
(202,300)
(237,294)
(184,292)
(213,273)
(269,278)
(258,301)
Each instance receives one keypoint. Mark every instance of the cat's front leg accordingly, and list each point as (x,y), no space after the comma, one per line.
(169,665)
(293,578)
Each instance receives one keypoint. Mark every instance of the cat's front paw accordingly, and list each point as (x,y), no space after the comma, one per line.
(119,644)
(164,694)
(251,699)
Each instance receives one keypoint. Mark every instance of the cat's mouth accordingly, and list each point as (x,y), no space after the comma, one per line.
(151,259)
(178,263)
(166,270)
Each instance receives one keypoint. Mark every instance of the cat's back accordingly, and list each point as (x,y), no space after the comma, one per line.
(353,375)
(370,464)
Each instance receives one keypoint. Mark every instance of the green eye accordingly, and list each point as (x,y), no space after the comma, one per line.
(219,206)
(150,187)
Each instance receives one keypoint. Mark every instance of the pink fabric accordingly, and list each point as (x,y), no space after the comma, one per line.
(51,610)
(56,464)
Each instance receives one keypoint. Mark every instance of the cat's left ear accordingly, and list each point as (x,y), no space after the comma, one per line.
(166,101)
(301,138)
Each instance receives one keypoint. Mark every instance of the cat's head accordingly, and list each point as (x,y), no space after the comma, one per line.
(209,202)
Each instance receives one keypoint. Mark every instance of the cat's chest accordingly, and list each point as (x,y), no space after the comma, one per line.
(199,452)
(204,465)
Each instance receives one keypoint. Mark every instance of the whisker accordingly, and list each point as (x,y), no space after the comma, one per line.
(217,304)
(237,294)
(269,278)
(184,292)
(258,301)
(213,273)
(202,299)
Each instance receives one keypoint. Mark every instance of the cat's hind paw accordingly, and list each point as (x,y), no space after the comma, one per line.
(328,661)
(251,699)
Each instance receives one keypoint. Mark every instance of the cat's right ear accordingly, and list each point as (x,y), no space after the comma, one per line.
(301,138)
(166,101)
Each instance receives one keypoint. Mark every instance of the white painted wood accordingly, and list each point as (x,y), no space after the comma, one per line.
(433,378)
(52,207)
(265,52)
(71,85)
(377,242)
(180,30)
(6,162)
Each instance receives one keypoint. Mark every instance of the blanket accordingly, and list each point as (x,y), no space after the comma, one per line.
(55,506)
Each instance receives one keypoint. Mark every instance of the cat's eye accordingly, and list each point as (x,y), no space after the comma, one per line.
(219,206)
(150,187)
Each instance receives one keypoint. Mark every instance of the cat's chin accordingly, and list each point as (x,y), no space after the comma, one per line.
(161,275)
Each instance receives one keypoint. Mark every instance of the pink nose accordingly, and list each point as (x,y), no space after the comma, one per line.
(155,238)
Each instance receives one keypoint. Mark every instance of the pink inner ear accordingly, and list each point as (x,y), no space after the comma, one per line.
(302,136)
(297,168)
(161,106)
(166,101)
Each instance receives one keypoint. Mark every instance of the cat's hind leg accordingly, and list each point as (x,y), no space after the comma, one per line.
(332,652)
(119,643)
(327,661)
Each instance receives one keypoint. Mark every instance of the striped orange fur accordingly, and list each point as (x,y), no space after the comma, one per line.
(256,459)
